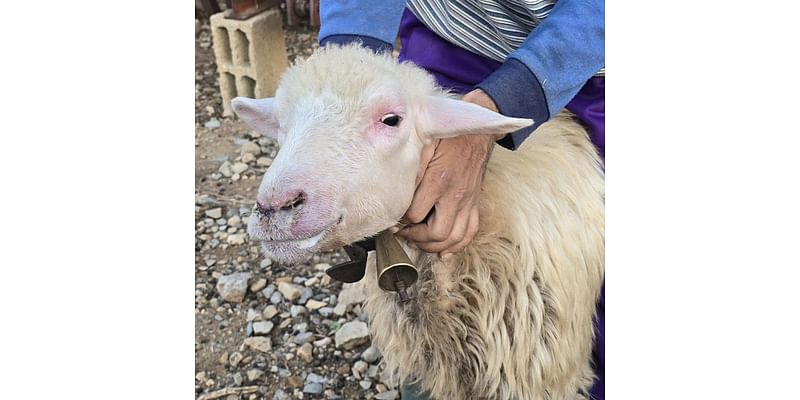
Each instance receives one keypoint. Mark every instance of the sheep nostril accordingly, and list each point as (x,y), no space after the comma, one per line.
(295,203)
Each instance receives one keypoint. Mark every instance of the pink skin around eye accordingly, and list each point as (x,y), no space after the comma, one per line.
(378,132)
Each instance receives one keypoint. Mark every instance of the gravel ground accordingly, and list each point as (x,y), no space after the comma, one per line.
(264,330)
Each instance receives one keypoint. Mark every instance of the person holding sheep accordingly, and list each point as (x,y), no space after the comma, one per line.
(526,59)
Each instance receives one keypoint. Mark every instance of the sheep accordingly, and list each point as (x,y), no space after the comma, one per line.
(510,317)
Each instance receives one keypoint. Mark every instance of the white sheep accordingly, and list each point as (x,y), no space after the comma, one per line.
(509,318)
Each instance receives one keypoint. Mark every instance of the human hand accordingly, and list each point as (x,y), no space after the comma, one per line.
(449,183)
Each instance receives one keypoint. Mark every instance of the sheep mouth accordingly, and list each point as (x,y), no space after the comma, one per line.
(294,249)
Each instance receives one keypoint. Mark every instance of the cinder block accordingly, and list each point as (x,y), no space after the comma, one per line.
(251,55)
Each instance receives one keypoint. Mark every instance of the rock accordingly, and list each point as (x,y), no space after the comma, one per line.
(269,290)
(236,239)
(270,312)
(312,377)
(213,123)
(253,315)
(343,370)
(248,158)
(325,311)
(254,374)
(387,395)
(303,338)
(225,169)
(311,281)
(258,285)
(259,343)
(322,342)
(223,359)
(238,168)
(264,162)
(315,305)
(298,310)
(307,293)
(276,298)
(237,379)
(294,381)
(351,334)
(312,388)
(262,327)
(214,213)
(371,355)
(322,267)
(280,395)
(359,368)
(251,148)
(365,384)
(352,294)
(235,358)
(233,287)
(306,352)
(235,220)
(289,290)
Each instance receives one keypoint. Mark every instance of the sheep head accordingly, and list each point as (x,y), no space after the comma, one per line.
(351,126)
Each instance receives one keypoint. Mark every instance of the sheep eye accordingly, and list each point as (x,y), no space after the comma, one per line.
(390,119)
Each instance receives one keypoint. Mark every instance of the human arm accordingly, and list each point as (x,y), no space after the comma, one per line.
(374,23)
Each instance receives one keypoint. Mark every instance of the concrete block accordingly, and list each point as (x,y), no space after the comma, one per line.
(251,55)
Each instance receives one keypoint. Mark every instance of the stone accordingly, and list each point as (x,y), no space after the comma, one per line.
(298,310)
(289,290)
(303,338)
(236,239)
(246,69)
(306,352)
(269,290)
(266,263)
(270,312)
(259,343)
(294,381)
(311,281)
(343,370)
(276,298)
(372,371)
(325,311)
(371,354)
(264,161)
(235,220)
(262,327)
(248,158)
(312,388)
(280,395)
(258,285)
(225,169)
(322,342)
(351,334)
(365,384)
(388,379)
(312,377)
(250,148)
(214,213)
(212,123)
(387,395)
(359,368)
(233,287)
(253,315)
(235,358)
(254,374)
(238,168)
(306,294)
(237,379)
(314,305)
(351,294)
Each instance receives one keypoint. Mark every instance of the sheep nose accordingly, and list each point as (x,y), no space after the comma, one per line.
(287,201)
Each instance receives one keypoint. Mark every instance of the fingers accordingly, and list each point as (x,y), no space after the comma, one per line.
(438,234)
(469,234)
(426,196)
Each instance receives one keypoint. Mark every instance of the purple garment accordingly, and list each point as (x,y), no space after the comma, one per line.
(460,70)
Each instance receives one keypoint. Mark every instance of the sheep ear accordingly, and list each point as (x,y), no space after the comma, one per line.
(259,114)
(441,117)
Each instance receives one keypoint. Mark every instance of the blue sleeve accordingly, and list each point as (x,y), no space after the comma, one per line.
(375,23)
(547,71)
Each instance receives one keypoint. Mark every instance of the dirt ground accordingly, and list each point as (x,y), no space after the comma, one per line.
(291,353)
